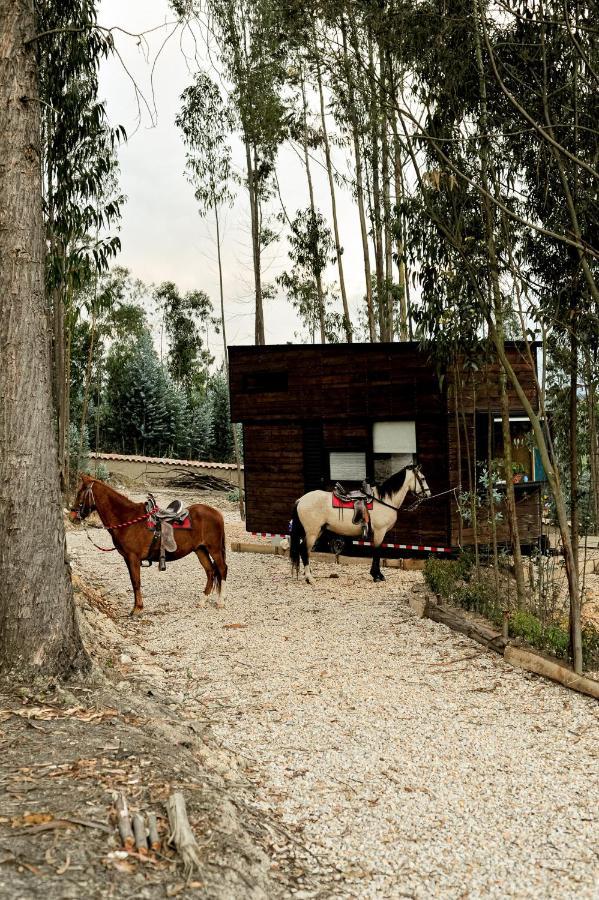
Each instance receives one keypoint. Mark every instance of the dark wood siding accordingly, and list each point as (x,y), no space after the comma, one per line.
(273,472)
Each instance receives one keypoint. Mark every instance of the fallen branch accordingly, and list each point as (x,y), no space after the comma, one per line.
(181,834)
(125,830)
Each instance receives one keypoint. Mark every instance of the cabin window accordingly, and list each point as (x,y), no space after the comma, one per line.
(394,446)
(525,462)
(268,382)
(347,466)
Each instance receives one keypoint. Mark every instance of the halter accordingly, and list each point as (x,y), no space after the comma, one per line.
(425,490)
(87,506)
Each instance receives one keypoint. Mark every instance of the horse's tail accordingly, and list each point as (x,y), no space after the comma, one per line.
(219,565)
(297,535)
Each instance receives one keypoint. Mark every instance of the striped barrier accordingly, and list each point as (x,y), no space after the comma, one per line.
(420,547)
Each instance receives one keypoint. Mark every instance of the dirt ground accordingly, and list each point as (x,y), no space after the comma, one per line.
(328,744)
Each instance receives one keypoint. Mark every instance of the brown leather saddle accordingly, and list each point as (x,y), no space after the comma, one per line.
(360,500)
(164,521)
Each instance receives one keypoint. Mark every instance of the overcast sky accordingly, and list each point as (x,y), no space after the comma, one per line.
(162,235)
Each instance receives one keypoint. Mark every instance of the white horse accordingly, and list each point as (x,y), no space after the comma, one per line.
(315,511)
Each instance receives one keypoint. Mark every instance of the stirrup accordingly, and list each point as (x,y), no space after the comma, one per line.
(162,564)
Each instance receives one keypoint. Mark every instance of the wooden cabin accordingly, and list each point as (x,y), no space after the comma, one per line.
(316,414)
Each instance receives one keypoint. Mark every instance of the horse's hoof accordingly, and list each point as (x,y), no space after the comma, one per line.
(378,578)
(218,604)
(136,611)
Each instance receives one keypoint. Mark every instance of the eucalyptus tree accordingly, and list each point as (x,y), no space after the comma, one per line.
(206,123)
(185,318)
(38,629)
(81,197)
(253,54)
(311,249)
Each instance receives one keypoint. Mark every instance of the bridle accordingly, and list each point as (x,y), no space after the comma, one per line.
(87,504)
(425,491)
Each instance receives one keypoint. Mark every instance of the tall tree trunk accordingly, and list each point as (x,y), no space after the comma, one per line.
(347,326)
(399,246)
(497,305)
(259,337)
(38,629)
(317,275)
(386,185)
(355,133)
(226,359)
(591,393)
(376,218)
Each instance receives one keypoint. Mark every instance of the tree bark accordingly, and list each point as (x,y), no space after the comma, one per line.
(317,275)
(359,186)
(259,337)
(347,326)
(226,359)
(38,629)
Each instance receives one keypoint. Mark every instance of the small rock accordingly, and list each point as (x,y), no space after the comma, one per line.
(125,659)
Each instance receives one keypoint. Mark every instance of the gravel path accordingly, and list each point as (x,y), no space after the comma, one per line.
(400,759)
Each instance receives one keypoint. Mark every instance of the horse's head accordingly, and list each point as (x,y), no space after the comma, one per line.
(417,482)
(84,501)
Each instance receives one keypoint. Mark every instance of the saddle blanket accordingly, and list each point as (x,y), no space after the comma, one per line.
(185,523)
(341,504)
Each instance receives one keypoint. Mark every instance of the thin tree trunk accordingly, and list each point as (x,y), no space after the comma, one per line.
(593,446)
(359,185)
(86,389)
(347,326)
(377,224)
(259,337)
(399,246)
(497,304)
(317,275)
(226,359)
(38,629)
(386,185)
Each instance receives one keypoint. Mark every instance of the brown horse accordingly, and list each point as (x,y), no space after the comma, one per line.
(127,522)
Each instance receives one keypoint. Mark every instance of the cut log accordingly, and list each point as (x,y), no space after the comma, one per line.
(532,662)
(181,835)
(139,832)
(124,822)
(475,630)
(154,837)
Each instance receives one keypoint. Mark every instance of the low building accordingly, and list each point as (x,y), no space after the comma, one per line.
(316,414)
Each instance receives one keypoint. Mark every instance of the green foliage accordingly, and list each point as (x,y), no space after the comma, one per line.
(206,124)
(185,317)
(455,582)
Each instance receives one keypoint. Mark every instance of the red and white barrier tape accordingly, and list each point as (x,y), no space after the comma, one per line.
(421,547)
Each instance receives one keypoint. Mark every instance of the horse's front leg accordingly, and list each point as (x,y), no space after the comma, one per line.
(375,569)
(133,564)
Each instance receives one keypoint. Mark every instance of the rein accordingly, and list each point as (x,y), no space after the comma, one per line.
(418,501)
(89,494)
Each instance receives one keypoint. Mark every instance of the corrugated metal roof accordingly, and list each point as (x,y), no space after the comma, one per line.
(165,461)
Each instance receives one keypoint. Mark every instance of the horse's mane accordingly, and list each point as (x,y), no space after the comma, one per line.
(393,484)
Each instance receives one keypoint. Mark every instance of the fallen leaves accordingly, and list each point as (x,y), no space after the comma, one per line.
(47,713)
